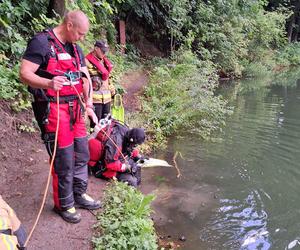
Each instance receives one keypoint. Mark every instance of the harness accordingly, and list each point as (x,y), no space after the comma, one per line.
(103,136)
(60,63)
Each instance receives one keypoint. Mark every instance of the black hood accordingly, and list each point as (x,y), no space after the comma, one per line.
(135,136)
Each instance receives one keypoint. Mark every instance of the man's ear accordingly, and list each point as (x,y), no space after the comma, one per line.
(69,25)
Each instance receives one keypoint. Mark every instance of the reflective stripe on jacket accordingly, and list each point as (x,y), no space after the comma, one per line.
(102,96)
(8,221)
(8,242)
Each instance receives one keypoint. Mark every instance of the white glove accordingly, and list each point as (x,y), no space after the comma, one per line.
(125,167)
(96,131)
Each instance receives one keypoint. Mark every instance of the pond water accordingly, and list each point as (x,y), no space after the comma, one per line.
(241,192)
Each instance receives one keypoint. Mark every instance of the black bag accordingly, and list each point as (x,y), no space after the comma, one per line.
(98,170)
(41,111)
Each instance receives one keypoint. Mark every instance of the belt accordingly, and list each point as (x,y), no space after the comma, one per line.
(63,99)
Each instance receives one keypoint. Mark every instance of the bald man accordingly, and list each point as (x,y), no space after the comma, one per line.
(54,64)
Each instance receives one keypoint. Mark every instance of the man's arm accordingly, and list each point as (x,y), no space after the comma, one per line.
(29,77)
(87,62)
(88,95)
(87,87)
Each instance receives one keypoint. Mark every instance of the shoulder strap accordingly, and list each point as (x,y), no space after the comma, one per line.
(60,48)
(77,57)
(57,44)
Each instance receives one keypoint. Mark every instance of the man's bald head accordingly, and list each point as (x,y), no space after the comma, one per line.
(77,18)
(76,25)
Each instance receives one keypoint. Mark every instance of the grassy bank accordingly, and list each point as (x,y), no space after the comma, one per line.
(180,96)
(125,220)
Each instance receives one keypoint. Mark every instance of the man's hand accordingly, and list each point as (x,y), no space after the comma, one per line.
(57,82)
(133,165)
(91,113)
(129,166)
(112,89)
(126,167)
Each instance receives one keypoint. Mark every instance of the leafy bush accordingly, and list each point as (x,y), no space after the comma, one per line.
(11,17)
(124,222)
(256,69)
(226,32)
(289,55)
(181,96)
(10,85)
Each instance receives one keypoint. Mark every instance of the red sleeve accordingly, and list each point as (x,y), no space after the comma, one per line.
(135,153)
(104,72)
(115,166)
(108,64)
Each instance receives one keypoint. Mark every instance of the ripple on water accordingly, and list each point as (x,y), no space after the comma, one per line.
(239,224)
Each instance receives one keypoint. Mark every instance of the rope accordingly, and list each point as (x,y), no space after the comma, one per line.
(79,96)
(49,175)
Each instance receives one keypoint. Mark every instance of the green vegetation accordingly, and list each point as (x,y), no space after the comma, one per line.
(236,36)
(289,55)
(124,222)
(232,34)
(181,96)
(122,64)
(202,41)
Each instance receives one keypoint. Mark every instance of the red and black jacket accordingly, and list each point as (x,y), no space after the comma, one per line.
(107,150)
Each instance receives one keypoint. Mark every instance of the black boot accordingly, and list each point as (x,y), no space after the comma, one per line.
(69,215)
(86,202)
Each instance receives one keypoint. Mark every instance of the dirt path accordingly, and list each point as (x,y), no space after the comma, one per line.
(133,82)
(23,176)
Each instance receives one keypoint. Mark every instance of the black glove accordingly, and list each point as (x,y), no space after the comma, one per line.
(141,159)
(133,165)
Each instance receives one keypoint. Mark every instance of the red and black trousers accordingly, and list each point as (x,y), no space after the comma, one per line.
(70,174)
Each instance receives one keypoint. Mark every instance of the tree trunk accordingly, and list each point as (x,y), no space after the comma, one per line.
(297,30)
(290,29)
(122,33)
(297,15)
(56,6)
(293,31)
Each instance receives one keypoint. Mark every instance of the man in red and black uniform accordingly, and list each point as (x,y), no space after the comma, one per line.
(113,153)
(53,63)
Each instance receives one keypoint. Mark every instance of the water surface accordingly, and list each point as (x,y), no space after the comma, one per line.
(242,192)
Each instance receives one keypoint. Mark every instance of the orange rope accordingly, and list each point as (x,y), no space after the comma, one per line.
(79,96)
(49,175)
